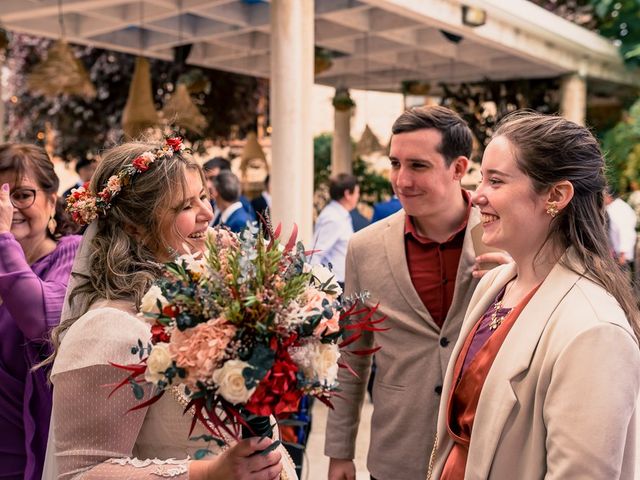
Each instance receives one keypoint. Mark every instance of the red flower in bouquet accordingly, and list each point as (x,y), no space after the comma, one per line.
(159,334)
(277,392)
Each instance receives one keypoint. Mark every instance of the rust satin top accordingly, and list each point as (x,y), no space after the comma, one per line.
(463,401)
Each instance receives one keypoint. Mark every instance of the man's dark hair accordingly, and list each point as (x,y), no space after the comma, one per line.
(227,185)
(457,139)
(83,162)
(217,162)
(340,184)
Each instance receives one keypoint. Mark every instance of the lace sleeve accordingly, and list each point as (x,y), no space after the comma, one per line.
(95,436)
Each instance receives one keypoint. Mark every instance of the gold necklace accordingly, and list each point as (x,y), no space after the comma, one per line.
(496,320)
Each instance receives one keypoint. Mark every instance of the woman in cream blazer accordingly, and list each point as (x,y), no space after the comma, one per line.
(559,399)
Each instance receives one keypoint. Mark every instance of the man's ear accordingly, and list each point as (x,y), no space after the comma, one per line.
(560,194)
(459,165)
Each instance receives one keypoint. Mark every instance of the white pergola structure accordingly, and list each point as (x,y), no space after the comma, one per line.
(376,44)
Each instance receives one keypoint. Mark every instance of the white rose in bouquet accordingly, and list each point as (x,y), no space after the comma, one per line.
(231,383)
(149,302)
(318,361)
(159,360)
(325,363)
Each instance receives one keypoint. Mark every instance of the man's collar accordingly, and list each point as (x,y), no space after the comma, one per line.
(410,229)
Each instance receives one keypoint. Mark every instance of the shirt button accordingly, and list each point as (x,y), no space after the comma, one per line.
(438,390)
(444,281)
(442,246)
(444,341)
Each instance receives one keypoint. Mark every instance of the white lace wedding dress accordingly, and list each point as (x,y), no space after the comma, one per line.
(95,437)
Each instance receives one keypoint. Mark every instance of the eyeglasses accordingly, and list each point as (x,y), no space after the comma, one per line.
(23,197)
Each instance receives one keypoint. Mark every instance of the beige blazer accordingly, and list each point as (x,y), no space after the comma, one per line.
(413,359)
(559,401)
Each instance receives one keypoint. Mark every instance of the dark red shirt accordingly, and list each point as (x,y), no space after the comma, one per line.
(433,266)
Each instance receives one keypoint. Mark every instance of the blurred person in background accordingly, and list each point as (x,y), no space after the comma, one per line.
(212,169)
(334,227)
(84,168)
(262,203)
(37,250)
(226,193)
(621,228)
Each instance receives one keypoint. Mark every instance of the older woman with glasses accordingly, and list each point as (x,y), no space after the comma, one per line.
(36,255)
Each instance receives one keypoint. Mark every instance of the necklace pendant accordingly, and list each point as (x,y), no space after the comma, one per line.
(495,322)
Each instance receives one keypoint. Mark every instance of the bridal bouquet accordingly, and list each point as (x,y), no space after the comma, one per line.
(248,328)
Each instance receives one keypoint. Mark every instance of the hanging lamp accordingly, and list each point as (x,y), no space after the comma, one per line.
(368,143)
(180,111)
(61,72)
(139,112)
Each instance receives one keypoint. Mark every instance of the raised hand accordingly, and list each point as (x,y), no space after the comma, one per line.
(6,209)
(487,261)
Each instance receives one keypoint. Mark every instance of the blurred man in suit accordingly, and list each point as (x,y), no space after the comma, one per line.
(226,193)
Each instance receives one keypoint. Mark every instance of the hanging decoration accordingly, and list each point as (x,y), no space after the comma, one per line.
(139,112)
(415,87)
(342,100)
(322,60)
(61,72)
(253,166)
(180,111)
(368,143)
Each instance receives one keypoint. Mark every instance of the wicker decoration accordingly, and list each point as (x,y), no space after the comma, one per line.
(368,143)
(253,161)
(252,148)
(322,61)
(139,112)
(180,111)
(61,73)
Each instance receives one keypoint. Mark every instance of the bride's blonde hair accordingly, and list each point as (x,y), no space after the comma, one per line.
(131,238)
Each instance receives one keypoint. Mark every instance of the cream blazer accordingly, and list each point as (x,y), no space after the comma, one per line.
(560,399)
(413,358)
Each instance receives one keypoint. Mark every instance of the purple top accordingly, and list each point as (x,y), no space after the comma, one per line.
(484,332)
(32,299)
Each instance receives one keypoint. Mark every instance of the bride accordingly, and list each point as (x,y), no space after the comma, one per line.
(146,204)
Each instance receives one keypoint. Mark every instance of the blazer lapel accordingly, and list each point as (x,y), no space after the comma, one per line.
(397,258)
(464,279)
(498,398)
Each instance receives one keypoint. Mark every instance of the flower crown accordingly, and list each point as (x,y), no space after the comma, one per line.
(85,206)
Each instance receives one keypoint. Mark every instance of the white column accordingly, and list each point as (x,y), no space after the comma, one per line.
(292,41)
(573,98)
(341,155)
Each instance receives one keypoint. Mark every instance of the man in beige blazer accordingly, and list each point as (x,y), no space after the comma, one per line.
(429,155)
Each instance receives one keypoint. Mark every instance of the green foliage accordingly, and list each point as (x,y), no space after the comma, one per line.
(620,20)
(321,159)
(621,146)
(373,186)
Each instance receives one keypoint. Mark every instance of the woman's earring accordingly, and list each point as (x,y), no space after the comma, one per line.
(552,209)
(52,225)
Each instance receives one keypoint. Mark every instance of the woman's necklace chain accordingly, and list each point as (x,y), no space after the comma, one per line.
(496,319)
